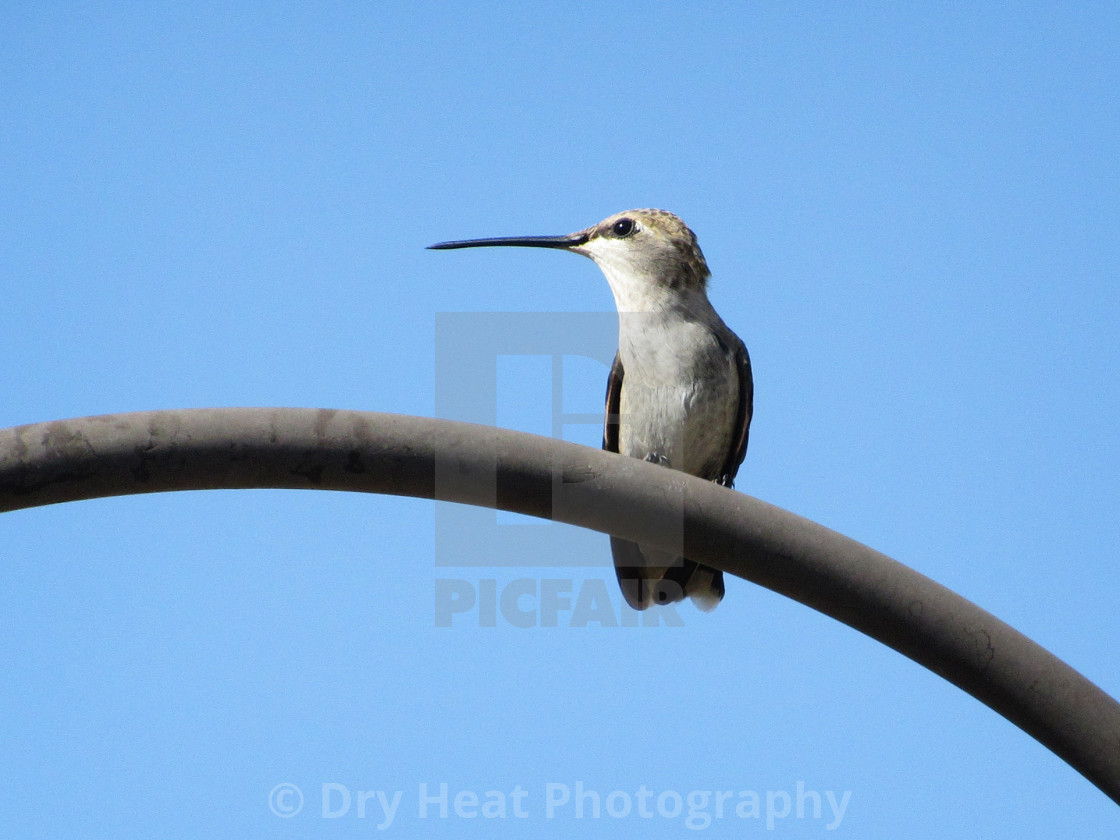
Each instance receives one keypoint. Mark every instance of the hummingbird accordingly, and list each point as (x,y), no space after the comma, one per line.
(680,392)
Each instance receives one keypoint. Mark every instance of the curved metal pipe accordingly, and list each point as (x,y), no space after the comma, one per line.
(320,449)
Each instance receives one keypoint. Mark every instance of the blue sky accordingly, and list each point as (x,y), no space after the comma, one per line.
(911,215)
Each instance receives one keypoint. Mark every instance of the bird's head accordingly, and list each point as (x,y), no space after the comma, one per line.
(645,247)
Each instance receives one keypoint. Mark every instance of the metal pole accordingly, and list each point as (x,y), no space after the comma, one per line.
(200,449)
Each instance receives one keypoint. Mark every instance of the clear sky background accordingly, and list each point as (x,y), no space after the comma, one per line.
(911,213)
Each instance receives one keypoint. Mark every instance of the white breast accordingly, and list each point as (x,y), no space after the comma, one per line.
(680,396)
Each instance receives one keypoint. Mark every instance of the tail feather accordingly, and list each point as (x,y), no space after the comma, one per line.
(649,577)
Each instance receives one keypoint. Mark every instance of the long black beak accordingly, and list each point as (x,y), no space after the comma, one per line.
(561,242)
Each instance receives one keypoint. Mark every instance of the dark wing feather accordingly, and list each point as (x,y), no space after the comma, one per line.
(614,400)
(628,560)
(738,449)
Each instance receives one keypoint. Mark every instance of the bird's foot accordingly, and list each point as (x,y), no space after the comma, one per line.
(726,480)
(655,458)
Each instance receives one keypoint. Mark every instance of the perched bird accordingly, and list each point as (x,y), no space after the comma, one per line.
(680,391)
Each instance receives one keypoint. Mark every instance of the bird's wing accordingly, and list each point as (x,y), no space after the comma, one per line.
(629,562)
(614,400)
(738,449)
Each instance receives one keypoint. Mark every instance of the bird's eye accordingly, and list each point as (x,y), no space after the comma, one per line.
(623,228)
